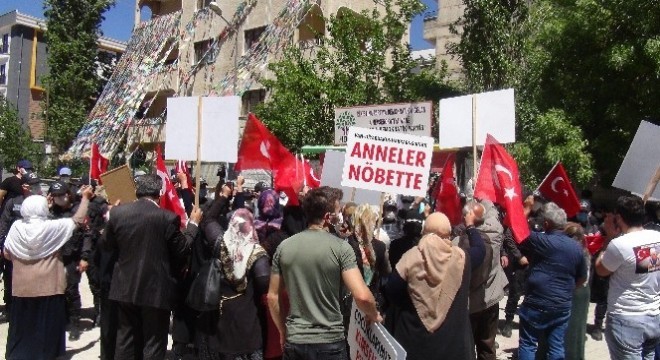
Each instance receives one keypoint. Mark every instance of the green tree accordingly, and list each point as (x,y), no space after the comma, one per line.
(15,141)
(599,61)
(499,49)
(362,61)
(72,82)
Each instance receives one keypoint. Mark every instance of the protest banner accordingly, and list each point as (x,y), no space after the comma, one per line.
(331,177)
(638,170)
(119,185)
(409,118)
(371,342)
(387,162)
(215,133)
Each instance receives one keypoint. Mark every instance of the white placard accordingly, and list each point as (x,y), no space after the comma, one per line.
(641,161)
(219,128)
(387,162)
(409,118)
(330,176)
(371,342)
(496,115)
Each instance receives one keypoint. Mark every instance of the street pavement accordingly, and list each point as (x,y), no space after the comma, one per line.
(87,348)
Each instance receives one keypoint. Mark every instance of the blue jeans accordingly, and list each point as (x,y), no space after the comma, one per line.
(632,336)
(330,351)
(534,323)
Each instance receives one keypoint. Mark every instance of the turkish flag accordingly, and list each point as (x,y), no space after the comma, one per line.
(557,188)
(97,164)
(292,174)
(260,149)
(182,166)
(169,200)
(642,253)
(499,182)
(446,199)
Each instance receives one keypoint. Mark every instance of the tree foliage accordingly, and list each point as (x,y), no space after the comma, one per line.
(362,61)
(15,141)
(72,82)
(498,49)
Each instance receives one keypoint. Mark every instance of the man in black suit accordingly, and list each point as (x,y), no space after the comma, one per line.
(149,245)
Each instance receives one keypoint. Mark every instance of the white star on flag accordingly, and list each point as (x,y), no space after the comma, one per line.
(510,193)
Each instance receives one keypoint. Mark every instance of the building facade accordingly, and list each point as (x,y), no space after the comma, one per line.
(23,64)
(436,31)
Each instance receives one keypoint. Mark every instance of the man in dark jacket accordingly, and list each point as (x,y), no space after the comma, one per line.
(148,241)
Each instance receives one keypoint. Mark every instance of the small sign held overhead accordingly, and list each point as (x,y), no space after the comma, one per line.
(495,115)
(638,170)
(218,128)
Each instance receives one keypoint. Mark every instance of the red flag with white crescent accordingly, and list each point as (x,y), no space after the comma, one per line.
(499,182)
(259,148)
(557,188)
(169,200)
(97,163)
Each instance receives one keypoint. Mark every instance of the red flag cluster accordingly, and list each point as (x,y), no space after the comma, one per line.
(97,164)
(499,182)
(557,188)
(260,149)
(169,200)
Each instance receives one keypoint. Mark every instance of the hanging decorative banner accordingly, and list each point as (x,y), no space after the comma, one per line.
(414,119)
(387,162)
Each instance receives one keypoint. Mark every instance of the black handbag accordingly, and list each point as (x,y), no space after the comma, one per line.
(205,291)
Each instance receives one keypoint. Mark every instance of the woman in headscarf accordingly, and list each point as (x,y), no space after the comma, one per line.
(430,288)
(37,319)
(269,222)
(235,330)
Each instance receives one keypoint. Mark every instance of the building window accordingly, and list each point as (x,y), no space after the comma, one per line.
(201,50)
(252,37)
(203,3)
(4,46)
(3,74)
(251,99)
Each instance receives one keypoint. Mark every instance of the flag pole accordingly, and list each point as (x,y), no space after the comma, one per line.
(91,156)
(199,149)
(650,187)
(546,177)
(474,141)
(302,163)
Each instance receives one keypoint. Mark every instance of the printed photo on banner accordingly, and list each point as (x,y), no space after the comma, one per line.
(646,257)
(387,162)
(409,118)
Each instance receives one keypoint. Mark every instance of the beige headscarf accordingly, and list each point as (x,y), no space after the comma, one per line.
(434,272)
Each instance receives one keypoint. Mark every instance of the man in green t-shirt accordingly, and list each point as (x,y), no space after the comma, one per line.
(312,266)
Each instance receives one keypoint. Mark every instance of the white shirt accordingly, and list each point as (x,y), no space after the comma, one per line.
(635,281)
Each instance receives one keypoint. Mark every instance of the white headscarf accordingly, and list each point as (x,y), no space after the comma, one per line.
(35,236)
(240,240)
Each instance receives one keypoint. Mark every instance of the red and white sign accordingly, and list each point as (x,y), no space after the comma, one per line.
(371,341)
(387,162)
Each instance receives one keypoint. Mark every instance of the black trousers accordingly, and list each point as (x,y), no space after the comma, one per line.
(484,329)
(72,291)
(517,278)
(6,279)
(109,325)
(142,332)
(330,351)
(93,279)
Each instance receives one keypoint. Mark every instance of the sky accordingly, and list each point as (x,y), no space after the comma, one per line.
(119,20)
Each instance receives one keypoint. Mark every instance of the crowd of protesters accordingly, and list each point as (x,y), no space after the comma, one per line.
(291,270)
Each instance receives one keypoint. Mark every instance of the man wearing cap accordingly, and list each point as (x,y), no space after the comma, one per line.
(29,186)
(11,186)
(64,205)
